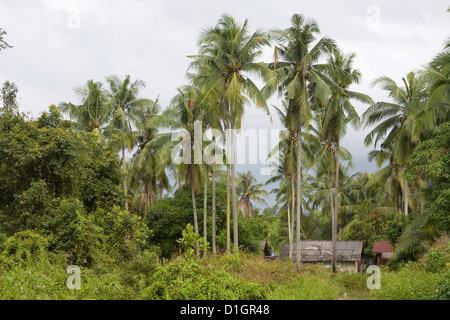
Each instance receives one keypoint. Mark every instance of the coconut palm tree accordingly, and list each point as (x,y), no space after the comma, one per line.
(298,76)
(399,124)
(248,191)
(94,112)
(213,120)
(284,156)
(182,116)
(229,52)
(123,99)
(147,168)
(338,113)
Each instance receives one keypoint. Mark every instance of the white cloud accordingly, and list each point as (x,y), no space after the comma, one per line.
(58,45)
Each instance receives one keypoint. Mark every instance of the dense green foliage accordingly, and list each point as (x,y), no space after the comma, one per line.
(431,161)
(370,224)
(43,276)
(168,217)
(64,184)
(69,195)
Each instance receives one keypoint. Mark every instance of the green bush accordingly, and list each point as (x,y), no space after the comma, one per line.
(352,281)
(436,260)
(36,282)
(24,248)
(186,279)
(370,224)
(189,240)
(125,233)
(411,282)
(307,286)
(443,288)
(231,263)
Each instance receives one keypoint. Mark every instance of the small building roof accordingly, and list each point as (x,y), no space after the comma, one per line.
(316,251)
(382,246)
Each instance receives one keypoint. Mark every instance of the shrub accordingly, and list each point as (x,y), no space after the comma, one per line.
(186,279)
(352,281)
(232,263)
(124,232)
(435,260)
(370,224)
(412,282)
(443,288)
(307,286)
(23,248)
(189,240)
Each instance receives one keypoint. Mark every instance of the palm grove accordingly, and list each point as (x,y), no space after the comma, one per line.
(64,179)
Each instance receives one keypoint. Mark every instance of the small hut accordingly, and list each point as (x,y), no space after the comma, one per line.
(349,253)
(383,250)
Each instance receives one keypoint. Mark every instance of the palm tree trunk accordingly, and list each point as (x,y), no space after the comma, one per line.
(233,186)
(141,201)
(396,205)
(299,191)
(331,195)
(291,227)
(289,231)
(205,207)
(335,213)
(151,193)
(194,207)
(405,198)
(228,211)
(235,214)
(147,194)
(125,191)
(161,188)
(213,214)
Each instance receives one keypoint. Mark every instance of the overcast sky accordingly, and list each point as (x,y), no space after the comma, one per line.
(59,45)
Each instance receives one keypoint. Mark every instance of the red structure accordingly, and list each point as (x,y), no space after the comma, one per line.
(383,250)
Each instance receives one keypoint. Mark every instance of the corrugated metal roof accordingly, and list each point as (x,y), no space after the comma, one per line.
(382,246)
(315,251)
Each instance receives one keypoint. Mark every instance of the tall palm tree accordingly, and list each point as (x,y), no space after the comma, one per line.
(249,191)
(182,115)
(123,96)
(228,52)
(147,168)
(283,155)
(212,119)
(387,180)
(298,77)
(338,113)
(94,112)
(399,124)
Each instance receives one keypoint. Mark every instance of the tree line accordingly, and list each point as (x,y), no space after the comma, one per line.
(313,78)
